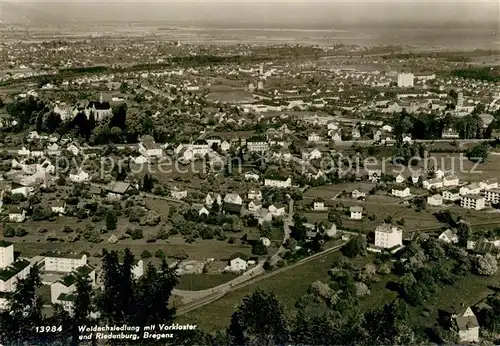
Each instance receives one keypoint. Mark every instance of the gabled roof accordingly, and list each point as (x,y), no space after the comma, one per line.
(13,269)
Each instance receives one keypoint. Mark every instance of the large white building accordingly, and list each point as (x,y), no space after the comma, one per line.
(388,236)
(405,80)
(10,271)
(62,291)
(64,263)
(475,202)
(257,144)
(278,182)
(492,195)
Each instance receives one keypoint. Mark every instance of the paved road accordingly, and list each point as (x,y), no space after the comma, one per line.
(217,295)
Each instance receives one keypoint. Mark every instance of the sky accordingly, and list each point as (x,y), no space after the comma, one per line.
(262,13)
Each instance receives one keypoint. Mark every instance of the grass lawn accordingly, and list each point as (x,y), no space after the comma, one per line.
(288,287)
(198,282)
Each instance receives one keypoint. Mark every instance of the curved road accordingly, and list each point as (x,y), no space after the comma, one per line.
(217,295)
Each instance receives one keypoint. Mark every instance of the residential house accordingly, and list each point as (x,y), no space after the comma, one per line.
(373,175)
(467,326)
(252,175)
(225,146)
(319,205)
(356,212)
(80,176)
(407,139)
(254,206)
(178,193)
(23,152)
(471,189)
(401,192)
(63,291)
(117,189)
(72,148)
(279,182)
(254,194)
(55,262)
(388,236)
(277,210)
(474,202)
(237,263)
(203,211)
(233,198)
(53,149)
(313,137)
(492,196)
(232,208)
(451,195)
(59,207)
(435,200)
(489,184)
(450,180)
(211,198)
(400,179)
(439,173)
(449,133)
(200,147)
(149,148)
(357,194)
(17,214)
(415,177)
(432,183)
(449,236)
(257,144)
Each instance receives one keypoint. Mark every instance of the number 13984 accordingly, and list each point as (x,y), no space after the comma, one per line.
(48,329)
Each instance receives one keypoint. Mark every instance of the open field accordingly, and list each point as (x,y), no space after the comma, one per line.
(288,286)
(197,282)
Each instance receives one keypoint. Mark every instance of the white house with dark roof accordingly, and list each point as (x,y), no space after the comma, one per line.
(356,212)
(466,325)
(63,290)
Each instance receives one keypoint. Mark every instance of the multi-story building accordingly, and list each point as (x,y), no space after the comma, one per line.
(257,144)
(278,182)
(10,270)
(492,195)
(475,202)
(388,236)
(64,263)
(405,80)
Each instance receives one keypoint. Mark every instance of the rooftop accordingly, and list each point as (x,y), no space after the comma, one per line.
(13,269)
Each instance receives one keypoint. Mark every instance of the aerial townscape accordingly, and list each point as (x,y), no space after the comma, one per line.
(167,184)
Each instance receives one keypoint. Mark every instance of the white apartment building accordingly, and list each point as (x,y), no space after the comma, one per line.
(278,182)
(475,202)
(432,183)
(471,189)
(401,193)
(64,263)
(388,236)
(405,80)
(492,195)
(10,271)
(451,195)
(257,144)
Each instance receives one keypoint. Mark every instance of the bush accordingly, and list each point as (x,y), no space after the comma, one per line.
(180,255)
(9,231)
(67,229)
(162,234)
(151,239)
(111,220)
(21,232)
(146,254)
(159,254)
(135,233)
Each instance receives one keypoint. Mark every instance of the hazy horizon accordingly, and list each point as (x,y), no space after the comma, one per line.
(280,14)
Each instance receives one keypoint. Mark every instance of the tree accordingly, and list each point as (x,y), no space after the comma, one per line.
(259,320)
(487,265)
(24,310)
(111,220)
(52,122)
(463,232)
(479,153)
(147,183)
(82,306)
(355,246)
(259,249)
